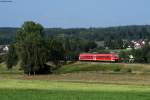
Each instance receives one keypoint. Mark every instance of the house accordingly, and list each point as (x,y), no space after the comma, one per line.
(138,44)
(4,49)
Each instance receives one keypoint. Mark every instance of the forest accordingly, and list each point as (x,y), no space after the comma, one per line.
(133,32)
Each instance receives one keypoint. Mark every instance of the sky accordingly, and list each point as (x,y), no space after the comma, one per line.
(75,13)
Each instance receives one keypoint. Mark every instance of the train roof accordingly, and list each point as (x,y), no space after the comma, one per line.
(100,54)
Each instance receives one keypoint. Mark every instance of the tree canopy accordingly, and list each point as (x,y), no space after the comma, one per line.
(33,50)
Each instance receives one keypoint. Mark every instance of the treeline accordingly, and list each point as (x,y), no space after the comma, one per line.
(33,49)
(96,34)
(5,41)
(74,46)
(100,34)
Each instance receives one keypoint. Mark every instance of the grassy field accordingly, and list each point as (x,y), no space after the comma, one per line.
(78,81)
(105,68)
(48,90)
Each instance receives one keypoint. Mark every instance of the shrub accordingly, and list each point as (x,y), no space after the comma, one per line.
(117,69)
(129,70)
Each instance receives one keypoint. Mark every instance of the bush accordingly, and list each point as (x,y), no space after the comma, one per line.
(46,69)
(129,70)
(117,69)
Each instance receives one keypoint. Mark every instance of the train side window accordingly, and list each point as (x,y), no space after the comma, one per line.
(87,57)
(100,57)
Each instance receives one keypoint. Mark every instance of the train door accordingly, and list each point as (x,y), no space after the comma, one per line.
(94,57)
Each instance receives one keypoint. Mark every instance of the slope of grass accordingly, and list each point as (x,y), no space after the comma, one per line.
(105,68)
(109,68)
(45,90)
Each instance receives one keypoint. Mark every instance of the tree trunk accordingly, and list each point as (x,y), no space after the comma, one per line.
(29,74)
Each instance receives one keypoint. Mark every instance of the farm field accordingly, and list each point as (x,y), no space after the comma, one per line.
(78,81)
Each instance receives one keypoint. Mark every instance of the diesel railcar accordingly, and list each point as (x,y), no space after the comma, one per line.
(112,57)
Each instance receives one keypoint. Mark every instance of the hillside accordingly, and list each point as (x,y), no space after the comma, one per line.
(121,68)
(85,72)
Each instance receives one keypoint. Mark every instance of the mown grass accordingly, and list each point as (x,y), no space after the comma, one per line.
(45,90)
(70,95)
(105,68)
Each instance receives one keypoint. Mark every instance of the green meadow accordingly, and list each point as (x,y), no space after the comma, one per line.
(48,90)
(79,81)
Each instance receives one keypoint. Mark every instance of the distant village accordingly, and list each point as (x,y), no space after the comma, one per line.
(138,44)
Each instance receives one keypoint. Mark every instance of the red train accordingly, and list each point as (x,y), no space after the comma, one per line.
(112,57)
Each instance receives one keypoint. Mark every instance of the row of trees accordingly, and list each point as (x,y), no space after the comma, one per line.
(4,41)
(74,46)
(115,44)
(101,34)
(95,34)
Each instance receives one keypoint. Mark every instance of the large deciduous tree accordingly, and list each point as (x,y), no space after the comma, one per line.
(30,45)
(33,50)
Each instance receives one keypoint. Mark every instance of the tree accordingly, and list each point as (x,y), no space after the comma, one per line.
(90,45)
(124,56)
(33,50)
(30,46)
(11,58)
(138,54)
(56,52)
(67,45)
